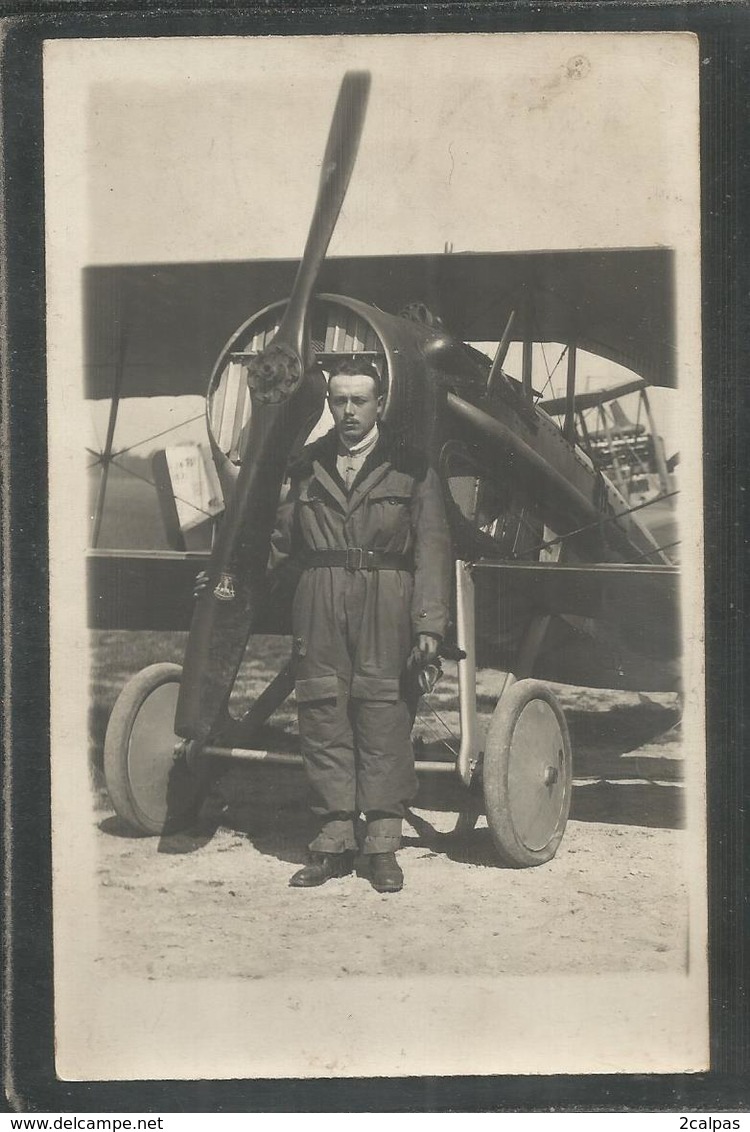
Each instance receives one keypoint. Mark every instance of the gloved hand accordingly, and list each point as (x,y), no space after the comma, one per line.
(425,650)
(423,664)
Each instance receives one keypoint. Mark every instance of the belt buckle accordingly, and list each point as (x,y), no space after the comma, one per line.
(354,558)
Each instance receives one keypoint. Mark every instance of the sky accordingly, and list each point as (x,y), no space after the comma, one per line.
(491,142)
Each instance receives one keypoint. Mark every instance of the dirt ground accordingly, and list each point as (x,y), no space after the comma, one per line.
(216,900)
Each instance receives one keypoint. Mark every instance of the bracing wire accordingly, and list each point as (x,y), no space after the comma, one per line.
(151,483)
(554,368)
(146,440)
(439,737)
(605,519)
(659,549)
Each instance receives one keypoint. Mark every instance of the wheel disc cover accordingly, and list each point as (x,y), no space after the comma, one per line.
(160,787)
(537,775)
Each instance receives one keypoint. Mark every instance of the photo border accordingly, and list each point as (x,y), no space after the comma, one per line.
(28,1043)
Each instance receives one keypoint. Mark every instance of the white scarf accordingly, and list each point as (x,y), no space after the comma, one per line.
(349,463)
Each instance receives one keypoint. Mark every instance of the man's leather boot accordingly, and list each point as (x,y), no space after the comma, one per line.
(385,873)
(323,867)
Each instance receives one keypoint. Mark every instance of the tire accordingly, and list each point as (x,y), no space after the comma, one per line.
(148,788)
(527,775)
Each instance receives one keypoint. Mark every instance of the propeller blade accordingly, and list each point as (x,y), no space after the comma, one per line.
(287,393)
(277,371)
(227,610)
(241,544)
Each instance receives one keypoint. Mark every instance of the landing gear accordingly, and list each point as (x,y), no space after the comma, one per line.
(151,784)
(527,774)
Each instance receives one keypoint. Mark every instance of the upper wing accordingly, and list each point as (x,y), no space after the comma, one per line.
(165,324)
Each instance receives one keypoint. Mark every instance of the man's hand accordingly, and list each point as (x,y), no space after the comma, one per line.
(425,650)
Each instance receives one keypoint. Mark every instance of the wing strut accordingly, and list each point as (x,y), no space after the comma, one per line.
(501,353)
(661,463)
(106,456)
(569,427)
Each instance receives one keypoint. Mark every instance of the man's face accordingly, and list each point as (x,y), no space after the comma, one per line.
(354,405)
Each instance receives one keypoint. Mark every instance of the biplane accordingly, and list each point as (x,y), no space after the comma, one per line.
(559,576)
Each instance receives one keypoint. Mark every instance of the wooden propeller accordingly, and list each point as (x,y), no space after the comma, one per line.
(287,390)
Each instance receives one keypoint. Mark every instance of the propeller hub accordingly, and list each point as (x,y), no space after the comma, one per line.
(275,374)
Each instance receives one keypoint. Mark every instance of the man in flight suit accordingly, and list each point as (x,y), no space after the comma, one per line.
(364,518)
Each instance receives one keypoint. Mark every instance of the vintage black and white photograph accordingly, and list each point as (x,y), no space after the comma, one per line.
(376,589)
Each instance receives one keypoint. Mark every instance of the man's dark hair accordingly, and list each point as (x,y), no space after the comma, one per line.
(353,368)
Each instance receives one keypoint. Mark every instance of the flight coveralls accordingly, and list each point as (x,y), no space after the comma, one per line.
(354,628)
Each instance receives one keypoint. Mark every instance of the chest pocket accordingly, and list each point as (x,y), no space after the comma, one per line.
(389,511)
(394,500)
(313,515)
(395,486)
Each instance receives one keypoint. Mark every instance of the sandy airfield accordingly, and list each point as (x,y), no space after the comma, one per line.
(216,900)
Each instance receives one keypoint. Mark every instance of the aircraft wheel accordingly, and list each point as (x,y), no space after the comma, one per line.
(527,774)
(150,789)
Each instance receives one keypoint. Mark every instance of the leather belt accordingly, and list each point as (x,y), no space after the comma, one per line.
(356,558)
